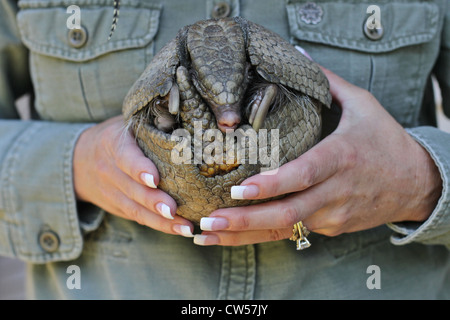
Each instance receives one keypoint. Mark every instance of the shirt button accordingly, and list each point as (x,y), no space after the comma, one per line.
(49,241)
(373,33)
(221,10)
(77,37)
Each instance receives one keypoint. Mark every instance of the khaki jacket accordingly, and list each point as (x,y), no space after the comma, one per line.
(78,81)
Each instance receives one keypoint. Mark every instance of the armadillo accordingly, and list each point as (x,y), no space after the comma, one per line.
(222,76)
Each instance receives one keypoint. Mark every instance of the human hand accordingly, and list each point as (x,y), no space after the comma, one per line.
(368,172)
(111,172)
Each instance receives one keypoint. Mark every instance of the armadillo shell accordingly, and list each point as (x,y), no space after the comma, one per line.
(198,196)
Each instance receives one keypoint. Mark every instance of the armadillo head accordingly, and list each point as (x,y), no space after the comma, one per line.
(219,68)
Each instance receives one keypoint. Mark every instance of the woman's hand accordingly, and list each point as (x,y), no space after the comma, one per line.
(111,172)
(368,172)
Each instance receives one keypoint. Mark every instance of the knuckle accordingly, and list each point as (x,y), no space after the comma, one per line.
(160,224)
(132,213)
(230,240)
(133,172)
(349,156)
(103,137)
(102,168)
(135,214)
(235,242)
(123,162)
(276,234)
(119,162)
(332,232)
(307,175)
(149,203)
(145,199)
(364,94)
(272,187)
(339,220)
(242,222)
(290,215)
(106,141)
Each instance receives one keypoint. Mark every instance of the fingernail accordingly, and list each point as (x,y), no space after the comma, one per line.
(185,231)
(164,210)
(205,240)
(148,179)
(303,51)
(213,224)
(244,192)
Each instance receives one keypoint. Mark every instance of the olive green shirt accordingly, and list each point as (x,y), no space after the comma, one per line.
(80,78)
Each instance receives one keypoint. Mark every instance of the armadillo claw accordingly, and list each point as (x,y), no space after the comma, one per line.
(270,94)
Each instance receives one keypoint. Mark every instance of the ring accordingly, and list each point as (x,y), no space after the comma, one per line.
(299,234)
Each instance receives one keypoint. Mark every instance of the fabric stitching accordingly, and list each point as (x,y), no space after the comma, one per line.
(63,51)
(437,215)
(331,39)
(12,159)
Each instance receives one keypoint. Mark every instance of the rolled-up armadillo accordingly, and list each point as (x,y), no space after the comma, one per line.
(215,79)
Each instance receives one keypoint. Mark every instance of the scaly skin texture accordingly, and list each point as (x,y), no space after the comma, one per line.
(220,67)
(218,60)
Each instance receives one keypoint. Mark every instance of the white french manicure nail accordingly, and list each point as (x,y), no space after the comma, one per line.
(200,239)
(186,231)
(206,223)
(206,240)
(251,191)
(213,223)
(303,51)
(165,211)
(237,192)
(148,179)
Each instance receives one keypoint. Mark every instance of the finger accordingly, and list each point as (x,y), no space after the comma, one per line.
(315,166)
(329,226)
(132,210)
(340,89)
(131,160)
(226,238)
(276,214)
(123,206)
(326,220)
(154,200)
(126,208)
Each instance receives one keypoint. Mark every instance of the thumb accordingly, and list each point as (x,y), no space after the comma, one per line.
(341,90)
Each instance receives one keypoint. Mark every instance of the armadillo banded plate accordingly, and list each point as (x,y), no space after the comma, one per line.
(221,73)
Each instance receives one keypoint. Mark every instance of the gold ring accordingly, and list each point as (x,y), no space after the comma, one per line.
(299,234)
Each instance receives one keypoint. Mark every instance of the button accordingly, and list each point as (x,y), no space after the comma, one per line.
(77,37)
(49,241)
(221,10)
(373,33)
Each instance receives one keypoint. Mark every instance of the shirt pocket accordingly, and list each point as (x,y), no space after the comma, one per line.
(394,67)
(80,75)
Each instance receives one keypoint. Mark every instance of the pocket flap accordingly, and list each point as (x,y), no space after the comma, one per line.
(43,26)
(342,24)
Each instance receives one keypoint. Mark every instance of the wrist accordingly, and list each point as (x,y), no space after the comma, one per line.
(429,184)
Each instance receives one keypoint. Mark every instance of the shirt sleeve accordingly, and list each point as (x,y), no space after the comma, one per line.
(436,229)
(39,216)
